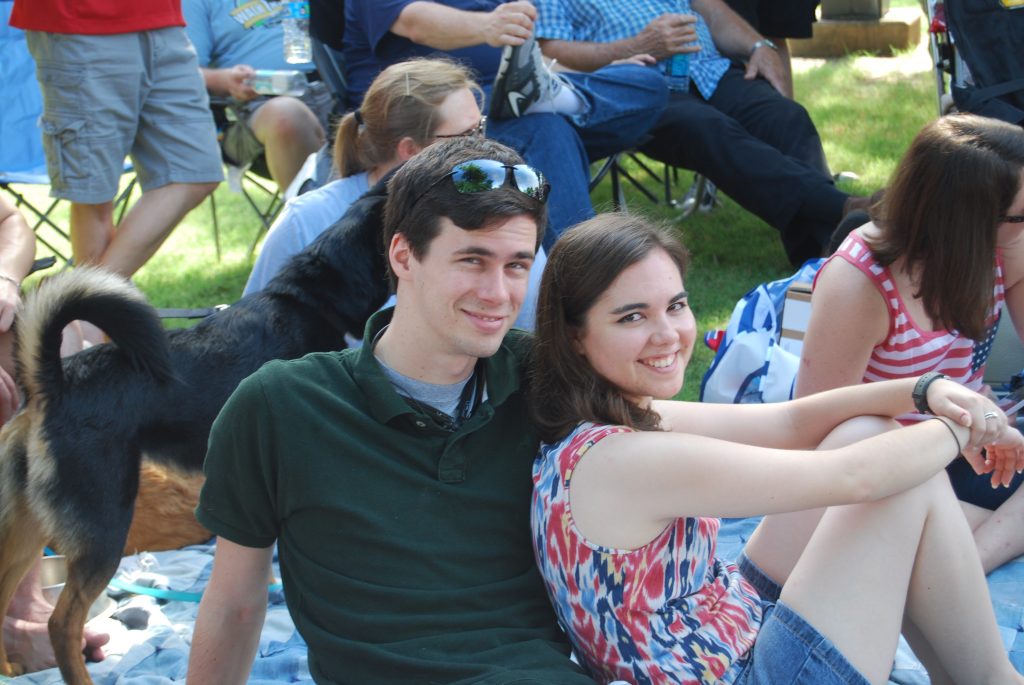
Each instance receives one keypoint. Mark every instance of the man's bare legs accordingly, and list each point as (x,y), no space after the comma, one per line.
(145,227)
(125,248)
(289,132)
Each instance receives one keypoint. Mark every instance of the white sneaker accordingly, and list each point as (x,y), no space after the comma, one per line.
(523,80)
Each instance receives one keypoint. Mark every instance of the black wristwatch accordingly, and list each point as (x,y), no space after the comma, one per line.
(920,393)
(763,43)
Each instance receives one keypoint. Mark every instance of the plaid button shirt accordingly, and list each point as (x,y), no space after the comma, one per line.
(603,21)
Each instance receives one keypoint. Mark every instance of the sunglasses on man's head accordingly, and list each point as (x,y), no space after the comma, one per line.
(481,175)
(478,131)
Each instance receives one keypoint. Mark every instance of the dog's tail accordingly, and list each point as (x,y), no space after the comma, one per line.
(101,298)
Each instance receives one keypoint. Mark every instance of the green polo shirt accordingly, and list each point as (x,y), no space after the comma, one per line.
(404,549)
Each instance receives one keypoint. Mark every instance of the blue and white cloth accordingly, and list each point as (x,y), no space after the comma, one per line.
(158,653)
(750,366)
(574,20)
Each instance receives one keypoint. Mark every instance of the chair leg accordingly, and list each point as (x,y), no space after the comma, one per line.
(121,201)
(266,214)
(668,179)
(692,198)
(636,183)
(618,197)
(216,225)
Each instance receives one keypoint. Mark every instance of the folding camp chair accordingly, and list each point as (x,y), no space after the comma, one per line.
(319,167)
(253,182)
(22,161)
(702,194)
(976,49)
(262,195)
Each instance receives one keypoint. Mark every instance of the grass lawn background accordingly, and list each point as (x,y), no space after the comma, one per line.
(867,109)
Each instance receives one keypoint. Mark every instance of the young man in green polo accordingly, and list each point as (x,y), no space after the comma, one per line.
(395,479)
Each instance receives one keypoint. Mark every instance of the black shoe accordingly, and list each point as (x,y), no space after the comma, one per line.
(522,80)
(849,223)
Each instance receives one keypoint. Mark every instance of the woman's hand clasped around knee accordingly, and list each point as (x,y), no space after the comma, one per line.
(967,408)
(994,446)
(1003,457)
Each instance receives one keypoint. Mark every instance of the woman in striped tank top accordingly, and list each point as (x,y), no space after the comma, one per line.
(628,485)
(921,288)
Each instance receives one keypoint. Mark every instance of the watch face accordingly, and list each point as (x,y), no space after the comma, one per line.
(764,43)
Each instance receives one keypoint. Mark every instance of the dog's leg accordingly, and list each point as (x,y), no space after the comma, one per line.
(21,544)
(87,578)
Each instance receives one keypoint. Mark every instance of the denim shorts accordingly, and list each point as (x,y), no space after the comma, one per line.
(788,649)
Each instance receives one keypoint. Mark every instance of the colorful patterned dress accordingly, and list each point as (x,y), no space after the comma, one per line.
(668,612)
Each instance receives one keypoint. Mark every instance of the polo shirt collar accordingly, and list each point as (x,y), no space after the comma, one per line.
(502,374)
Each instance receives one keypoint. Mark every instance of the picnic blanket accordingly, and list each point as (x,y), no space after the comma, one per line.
(155,650)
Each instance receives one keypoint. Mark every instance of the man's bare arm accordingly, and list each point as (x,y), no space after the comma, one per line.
(446,28)
(231,614)
(664,36)
(735,38)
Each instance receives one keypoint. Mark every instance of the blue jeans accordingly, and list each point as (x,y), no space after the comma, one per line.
(550,143)
(622,103)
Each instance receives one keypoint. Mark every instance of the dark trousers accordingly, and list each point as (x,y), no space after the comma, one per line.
(761,149)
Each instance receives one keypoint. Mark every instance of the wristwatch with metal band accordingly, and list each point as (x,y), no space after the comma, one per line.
(763,43)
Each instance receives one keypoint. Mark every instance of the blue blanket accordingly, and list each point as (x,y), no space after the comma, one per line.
(157,652)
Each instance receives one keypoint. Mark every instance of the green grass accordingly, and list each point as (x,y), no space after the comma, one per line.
(865,122)
(187,271)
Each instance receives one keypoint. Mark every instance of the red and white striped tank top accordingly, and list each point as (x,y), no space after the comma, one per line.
(909,350)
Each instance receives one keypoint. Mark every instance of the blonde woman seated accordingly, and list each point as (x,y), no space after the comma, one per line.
(920,289)
(863,532)
(409,106)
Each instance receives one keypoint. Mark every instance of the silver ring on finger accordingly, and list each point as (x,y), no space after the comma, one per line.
(991,415)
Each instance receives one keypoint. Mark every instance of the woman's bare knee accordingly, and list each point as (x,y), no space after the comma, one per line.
(856,429)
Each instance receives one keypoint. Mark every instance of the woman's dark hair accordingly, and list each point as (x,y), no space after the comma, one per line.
(942,210)
(564,388)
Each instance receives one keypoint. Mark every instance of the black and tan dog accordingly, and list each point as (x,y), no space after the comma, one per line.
(70,459)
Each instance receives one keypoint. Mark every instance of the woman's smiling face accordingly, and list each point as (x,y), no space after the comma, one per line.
(639,334)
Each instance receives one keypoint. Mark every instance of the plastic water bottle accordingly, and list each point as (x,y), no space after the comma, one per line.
(278,82)
(678,72)
(297,48)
